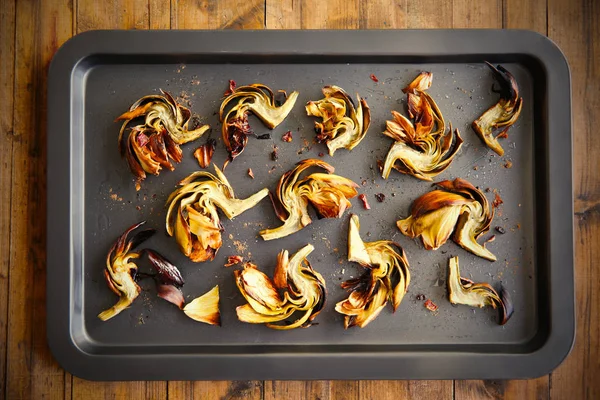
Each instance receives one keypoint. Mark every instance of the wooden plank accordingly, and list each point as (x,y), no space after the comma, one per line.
(392,390)
(474,14)
(574,27)
(214,14)
(346,390)
(383,14)
(121,14)
(31,372)
(229,390)
(529,14)
(7,69)
(432,14)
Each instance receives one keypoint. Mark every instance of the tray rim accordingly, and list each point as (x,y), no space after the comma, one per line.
(477,44)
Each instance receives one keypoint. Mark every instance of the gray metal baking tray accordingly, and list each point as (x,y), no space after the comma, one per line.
(91,199)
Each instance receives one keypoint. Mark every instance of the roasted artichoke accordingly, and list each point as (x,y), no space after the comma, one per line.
(192,215)
(303,289)
(464,291)
(151,146)
(121,270)
(343,125)
(422,149)
(257,99)
(328,193)
(456,206)
(386,278)
(168,279)
(205,308)
(503,114)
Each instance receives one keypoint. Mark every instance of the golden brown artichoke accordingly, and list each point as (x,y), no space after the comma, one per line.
(205,308)
(304,292)
(457,206)
(386,278)
(343,125)
(192,215)
(121,270)
(152,145)
(503,114)
(464,291)
(257,99)
(421,149)
(328,193)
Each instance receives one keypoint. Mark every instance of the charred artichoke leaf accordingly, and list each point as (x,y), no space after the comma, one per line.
(257,99)
(503,114)
(168,278)
(205,308)
(304,292)
(151,146)
(457,206)
(465,291)
(386,279)
(422,148)
(121,269)
(342,125)
(327,192)
(192,212)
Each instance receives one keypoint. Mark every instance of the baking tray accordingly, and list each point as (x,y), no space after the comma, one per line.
(91,200)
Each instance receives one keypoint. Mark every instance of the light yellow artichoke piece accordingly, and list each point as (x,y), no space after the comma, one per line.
(205,308)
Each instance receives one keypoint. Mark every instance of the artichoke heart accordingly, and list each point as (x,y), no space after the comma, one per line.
(327,192)
(457,206)
(464,291)
(205,308)
(422,148)
(386,278)
(343,125)
(155,144)
(257,99)
(304,292)
(120,269)
(192,215)
(503,114)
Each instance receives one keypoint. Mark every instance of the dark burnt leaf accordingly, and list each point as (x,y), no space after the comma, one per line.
(170,293)
(167,273)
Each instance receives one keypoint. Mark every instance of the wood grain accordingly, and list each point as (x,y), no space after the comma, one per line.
(7,66)
(214,14)
(574,27)
(40,28)
(31,31)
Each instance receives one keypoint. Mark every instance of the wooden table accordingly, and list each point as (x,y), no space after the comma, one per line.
(32,30)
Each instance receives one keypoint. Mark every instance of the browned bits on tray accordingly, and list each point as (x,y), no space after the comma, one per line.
(430,305)
(234,260)
(380,197)
(250,173)
(287,137)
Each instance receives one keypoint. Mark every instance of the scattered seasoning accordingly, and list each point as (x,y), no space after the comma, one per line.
(380,165)
(420,297)
(264,136)
(250,173)
(231,89)
(475,168)
(508,164)
(374,78)
(487,190)
(365,203)
(321,154)
(363,182)
(431,306)
(380,197)
(497,201)
(274,155)
(233,260)
(287,137)
(501,230)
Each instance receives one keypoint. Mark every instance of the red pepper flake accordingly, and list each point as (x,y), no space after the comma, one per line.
(234,260)
(231,89)
(497,201)
(321,154)
(374,78)
(287,137)
(365,203)
(430,305)
(380,197)
(250,173)
(508,164)
(491,239)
